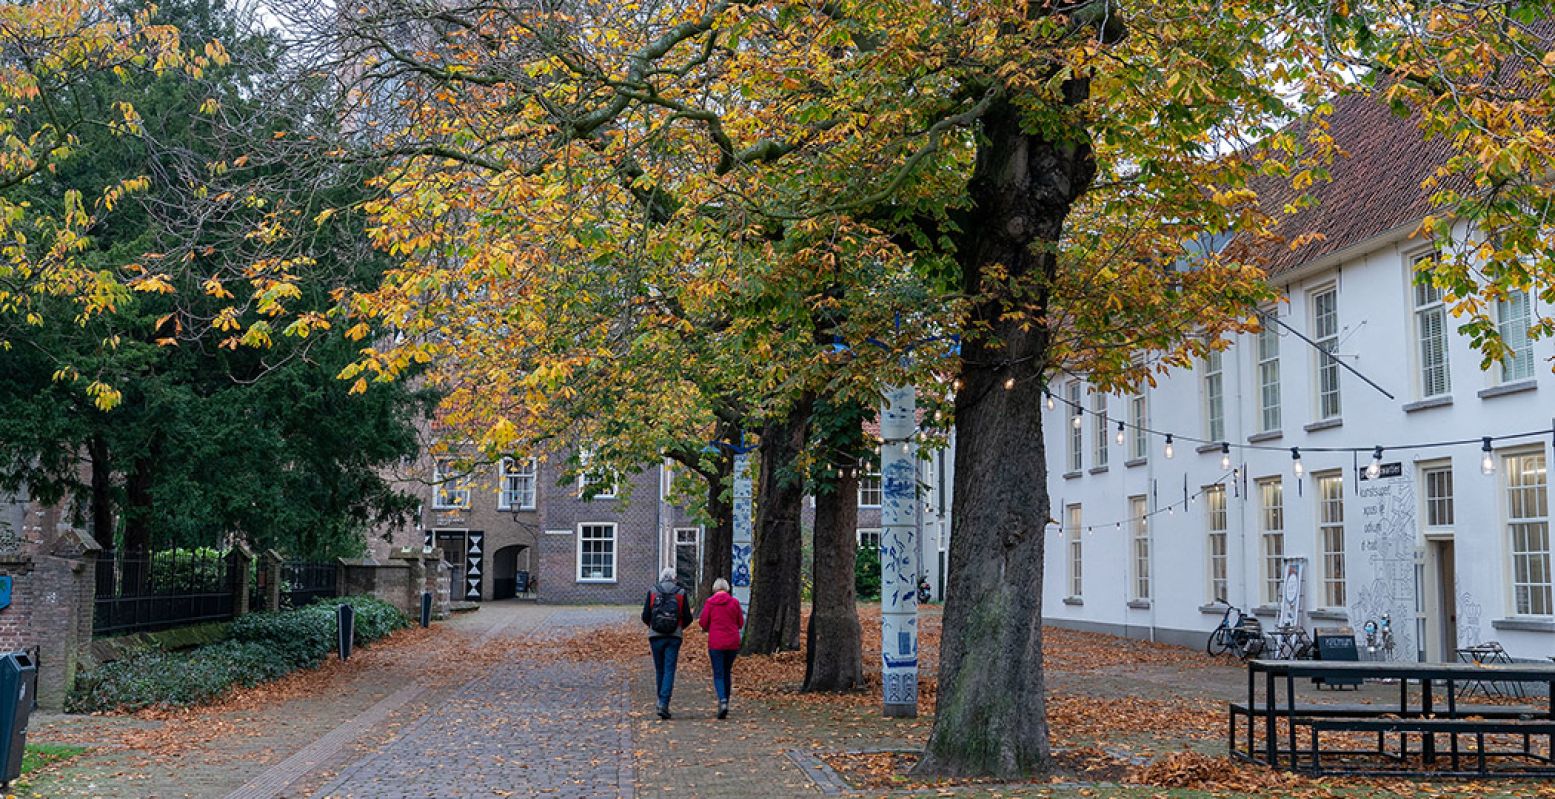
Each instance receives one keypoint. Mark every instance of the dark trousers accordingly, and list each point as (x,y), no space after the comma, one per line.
(723,671)
(666,652)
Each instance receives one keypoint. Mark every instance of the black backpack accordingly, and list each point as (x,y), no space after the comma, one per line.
(666,613)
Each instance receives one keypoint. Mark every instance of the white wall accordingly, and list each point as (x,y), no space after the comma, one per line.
(1382,525)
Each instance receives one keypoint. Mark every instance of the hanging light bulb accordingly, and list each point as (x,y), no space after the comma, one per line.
(1487,463)
(1050,403)
(1169,450)
(1225,455)
(1295,457)
(1374,470)
(1169,509)
(1076,420)
(1120,434)
(1009,383)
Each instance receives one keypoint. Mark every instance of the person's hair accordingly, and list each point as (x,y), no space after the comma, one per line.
(668,573)
(720,584)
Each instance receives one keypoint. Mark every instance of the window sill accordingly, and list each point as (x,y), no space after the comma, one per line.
(1204,449)
(1098,470)
(1073,600)
(519,509)
(1326,424)
(450,507)
(1427,404)
(869,507)
(1527,624)
(1129,464)
(1266,611)
(1072,475)
(1139,604)
(1509,388)
(1214,609)
(594,581)
(1259,438)
(1329,614)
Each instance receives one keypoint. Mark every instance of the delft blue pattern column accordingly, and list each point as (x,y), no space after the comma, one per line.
(899,554)
(740,570)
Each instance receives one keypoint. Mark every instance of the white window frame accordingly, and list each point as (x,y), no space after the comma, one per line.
(1326,394)
(1217,541)
(506,493)
(587,477)
(1076,548)
(1435,503)
(1514,316)
(871,492)
(614,553)
(1074,435)
(1266,360)
(1271,538)
(1425,302)
(1139,417)
(1139,547)
(876,533)
(1099,434)
(1331,538)
(1213,385)
(1525,506)
(444,473)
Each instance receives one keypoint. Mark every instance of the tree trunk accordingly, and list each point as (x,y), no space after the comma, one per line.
(718,539)
(773,621)
(834,660)
(102,491)
(991,716)
(138,502)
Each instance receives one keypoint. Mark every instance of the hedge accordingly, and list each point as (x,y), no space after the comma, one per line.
(261,646)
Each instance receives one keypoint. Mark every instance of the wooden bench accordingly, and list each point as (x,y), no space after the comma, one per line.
(1526,728)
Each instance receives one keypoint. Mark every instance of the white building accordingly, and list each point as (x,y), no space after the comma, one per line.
(1454,556)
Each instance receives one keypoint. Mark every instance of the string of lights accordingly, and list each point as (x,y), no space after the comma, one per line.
(1188,500)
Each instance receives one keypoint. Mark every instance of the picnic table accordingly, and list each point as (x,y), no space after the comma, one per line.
(1423,717)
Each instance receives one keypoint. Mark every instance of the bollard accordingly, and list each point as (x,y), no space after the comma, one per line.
(345,616)
(426,608)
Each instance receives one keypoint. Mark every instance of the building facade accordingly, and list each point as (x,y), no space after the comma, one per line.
(1449,543)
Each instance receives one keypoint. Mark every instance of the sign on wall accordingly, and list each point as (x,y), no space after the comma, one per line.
(5,591)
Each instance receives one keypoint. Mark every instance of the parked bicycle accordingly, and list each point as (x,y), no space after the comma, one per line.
(1238,633)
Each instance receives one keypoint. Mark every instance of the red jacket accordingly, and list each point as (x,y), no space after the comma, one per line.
(722,620)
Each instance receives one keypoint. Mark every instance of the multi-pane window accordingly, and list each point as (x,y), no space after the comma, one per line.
(1513,317)
(1325,333)
(595,482)
(1214,396)
(869,488)
(1076,551)
(1439,512)
(1139,442)
(1431,333)
(1268,353)
(1099,434)
(450,485)
(518,484)
(596,553)
(1076,436)
(1330,533)
(1528,523)
(869,538)
(1271,529)
(1215,513)
(1139,527)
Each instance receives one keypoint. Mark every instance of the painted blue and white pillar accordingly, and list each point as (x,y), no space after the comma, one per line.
(899,553)
(744,524)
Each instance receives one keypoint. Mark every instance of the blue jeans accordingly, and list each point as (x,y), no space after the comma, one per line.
(723,671)
(666,652)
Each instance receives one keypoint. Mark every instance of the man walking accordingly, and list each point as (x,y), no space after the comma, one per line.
(667,612)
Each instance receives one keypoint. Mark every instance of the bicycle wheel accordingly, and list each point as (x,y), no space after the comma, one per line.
(1217,644)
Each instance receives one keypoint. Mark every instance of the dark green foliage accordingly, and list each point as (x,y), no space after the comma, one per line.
(263,646)
(866,573)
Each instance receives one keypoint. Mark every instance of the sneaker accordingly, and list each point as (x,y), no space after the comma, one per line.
(723,709)
(664,711)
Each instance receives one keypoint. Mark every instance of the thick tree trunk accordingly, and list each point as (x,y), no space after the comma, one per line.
(718,538)
(102,491)
(773,622)
(834,660)
(991,717)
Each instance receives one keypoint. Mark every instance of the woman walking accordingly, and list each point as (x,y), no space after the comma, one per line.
(722,619)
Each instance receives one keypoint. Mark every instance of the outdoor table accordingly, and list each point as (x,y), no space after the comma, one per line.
(1427,674)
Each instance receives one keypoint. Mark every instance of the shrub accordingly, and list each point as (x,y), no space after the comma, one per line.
(866,572)
(263,646)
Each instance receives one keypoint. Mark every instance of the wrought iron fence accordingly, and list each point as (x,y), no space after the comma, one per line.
(306,582)
(144,592)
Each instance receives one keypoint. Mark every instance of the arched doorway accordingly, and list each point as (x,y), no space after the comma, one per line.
(511,572)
